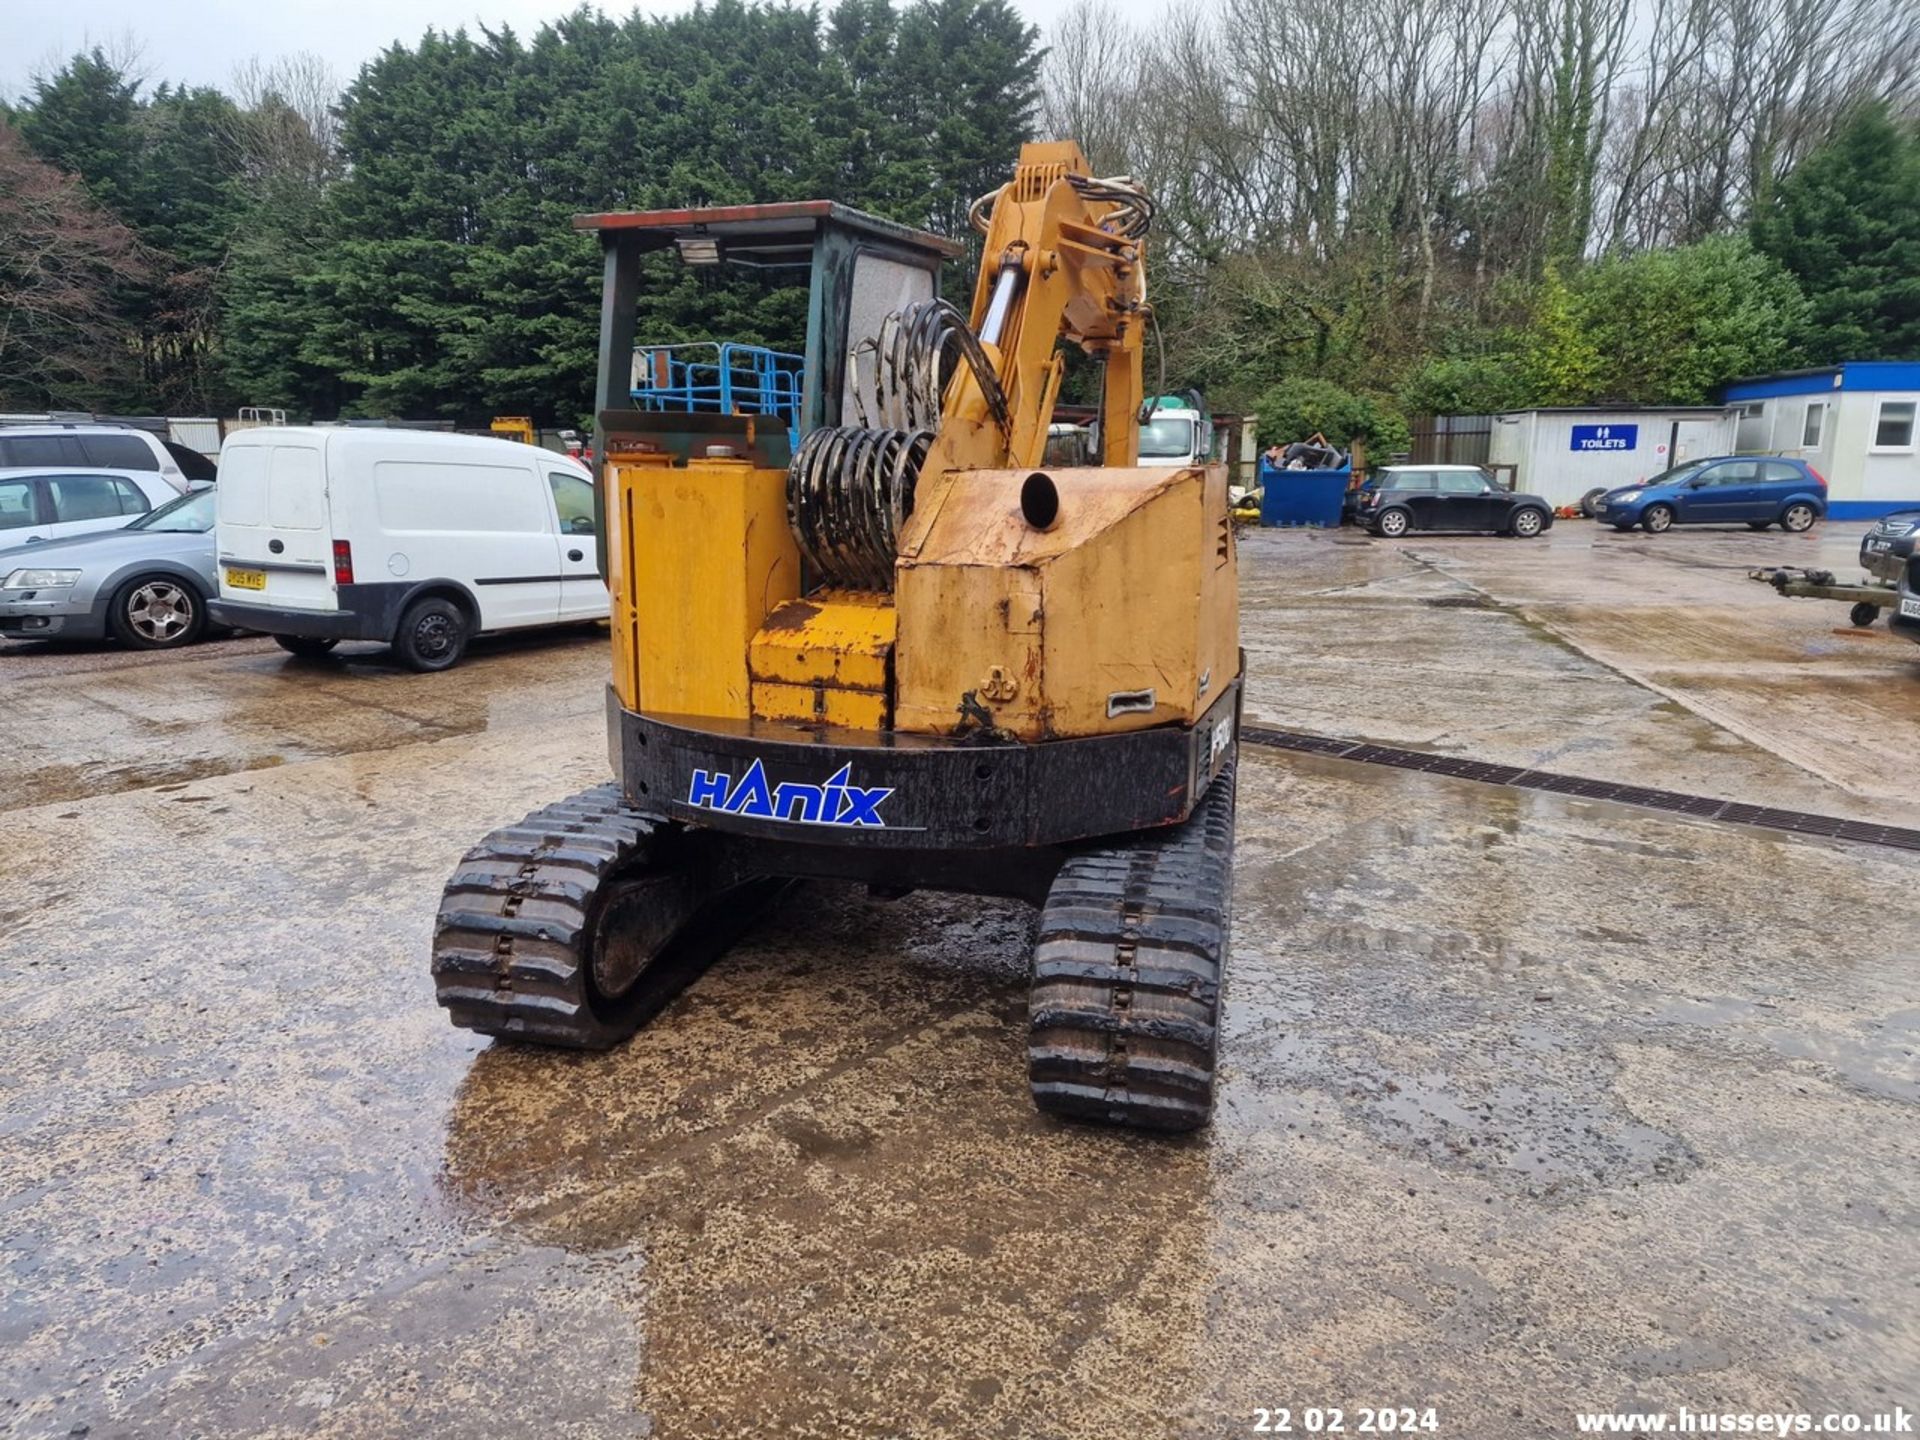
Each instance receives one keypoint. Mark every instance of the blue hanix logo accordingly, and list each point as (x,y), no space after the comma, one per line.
(835,803)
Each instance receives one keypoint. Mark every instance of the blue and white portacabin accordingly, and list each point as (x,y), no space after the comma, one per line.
(1856,423)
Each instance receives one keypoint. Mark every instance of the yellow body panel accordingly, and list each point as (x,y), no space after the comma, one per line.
(811,705)
(841,637)
(827,658)
(969,627)
(699,554)
(1122,615)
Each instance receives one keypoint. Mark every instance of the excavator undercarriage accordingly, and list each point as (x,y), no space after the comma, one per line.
(900,654)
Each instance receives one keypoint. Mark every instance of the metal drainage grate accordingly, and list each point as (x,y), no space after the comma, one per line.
(1705,807)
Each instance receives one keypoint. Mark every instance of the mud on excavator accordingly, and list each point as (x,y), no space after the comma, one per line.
(904,654)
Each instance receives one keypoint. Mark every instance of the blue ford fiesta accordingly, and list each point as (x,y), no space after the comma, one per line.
(1759,490)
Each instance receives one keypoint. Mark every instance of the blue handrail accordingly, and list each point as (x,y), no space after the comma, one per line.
(720,378)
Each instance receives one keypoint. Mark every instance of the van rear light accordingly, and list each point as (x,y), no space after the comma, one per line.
(342,563)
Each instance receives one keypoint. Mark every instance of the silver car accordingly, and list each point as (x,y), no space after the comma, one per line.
(40,505)
(1889,545)
(145,584)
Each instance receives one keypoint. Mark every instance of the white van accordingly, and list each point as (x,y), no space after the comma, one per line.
(418,539)
(1175,433)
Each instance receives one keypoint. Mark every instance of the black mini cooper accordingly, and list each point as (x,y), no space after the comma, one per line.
(1448,497)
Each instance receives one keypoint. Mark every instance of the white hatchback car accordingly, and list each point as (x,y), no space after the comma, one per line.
(51,504)
(92,445)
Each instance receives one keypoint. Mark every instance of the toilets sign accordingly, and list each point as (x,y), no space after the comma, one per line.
(1605,437)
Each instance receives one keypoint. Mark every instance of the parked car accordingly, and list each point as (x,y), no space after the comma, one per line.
(146,584)
(1888,546)
(1721,490)
(1354,504)
(91,445)
(37,505)
(1447,497)
(417,539)
(1905,619)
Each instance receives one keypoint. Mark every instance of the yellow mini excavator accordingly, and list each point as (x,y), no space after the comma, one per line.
(875,640)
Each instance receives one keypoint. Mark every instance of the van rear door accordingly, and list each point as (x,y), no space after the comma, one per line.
(275,545)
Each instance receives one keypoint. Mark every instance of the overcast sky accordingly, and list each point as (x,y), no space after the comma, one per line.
(201,41)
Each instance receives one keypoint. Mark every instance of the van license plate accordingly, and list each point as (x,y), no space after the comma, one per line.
(1878,547)
(246,579)
(1910,606)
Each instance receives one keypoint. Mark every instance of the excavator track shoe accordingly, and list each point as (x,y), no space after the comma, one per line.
(576,925)
(1125,1009)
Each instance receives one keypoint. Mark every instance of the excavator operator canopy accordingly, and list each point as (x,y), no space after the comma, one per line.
(764,235)
(861,267)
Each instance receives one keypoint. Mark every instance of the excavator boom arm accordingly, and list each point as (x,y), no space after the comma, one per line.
(939,393)
(1064,259)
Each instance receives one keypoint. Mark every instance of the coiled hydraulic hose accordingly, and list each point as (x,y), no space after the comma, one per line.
(849,490)
(911,360)
(1132,216)
(850,487)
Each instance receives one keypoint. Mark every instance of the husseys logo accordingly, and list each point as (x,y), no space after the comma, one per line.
(835,803)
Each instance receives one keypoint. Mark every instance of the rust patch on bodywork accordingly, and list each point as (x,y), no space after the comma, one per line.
(794,615)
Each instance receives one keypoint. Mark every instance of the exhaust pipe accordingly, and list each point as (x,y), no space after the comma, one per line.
(1040,501)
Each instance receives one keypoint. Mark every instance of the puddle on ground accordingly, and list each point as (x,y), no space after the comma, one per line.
(49,785)
(1471,997)
(845,1203)
(251,711)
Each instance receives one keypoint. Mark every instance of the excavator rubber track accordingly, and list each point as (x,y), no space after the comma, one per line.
(1128,970)
(521,923)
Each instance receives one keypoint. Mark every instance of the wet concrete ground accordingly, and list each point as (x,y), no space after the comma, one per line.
(1517,652)
(1529,1105)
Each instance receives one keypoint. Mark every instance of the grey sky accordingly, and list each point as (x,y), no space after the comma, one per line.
(201,41)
